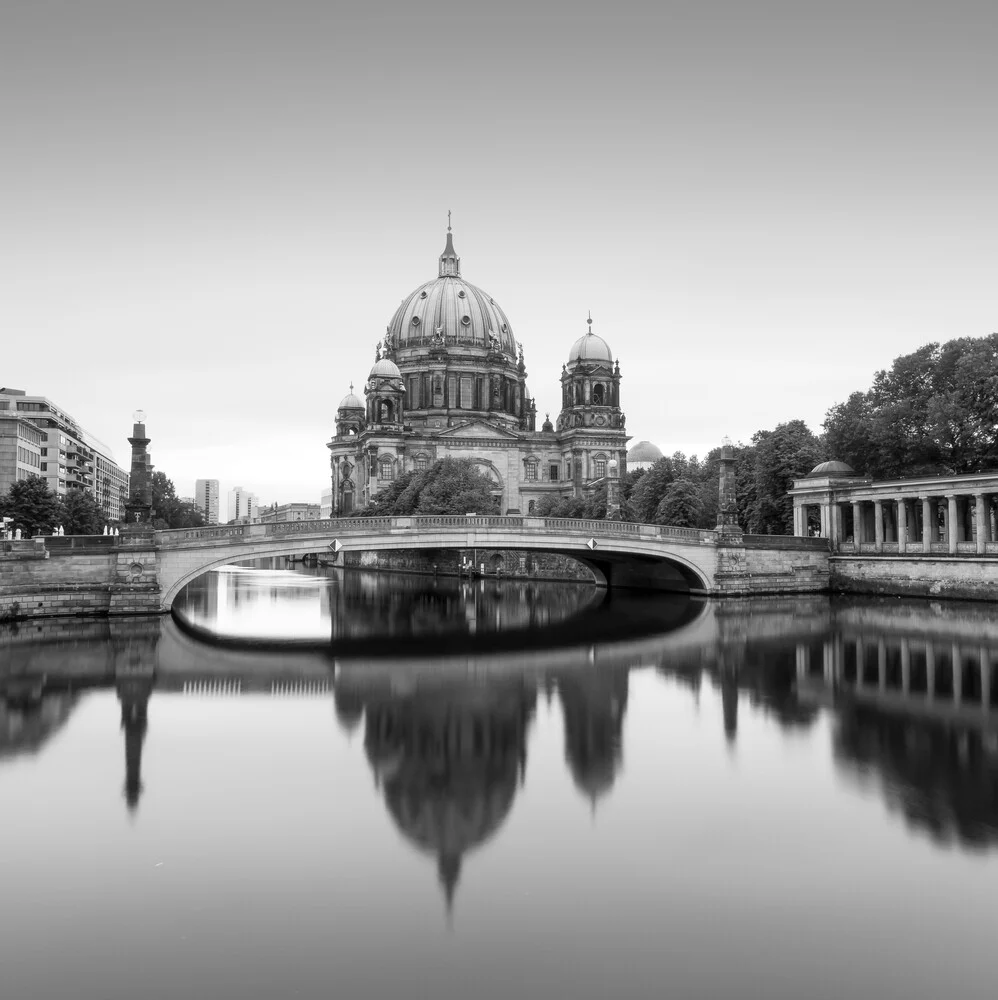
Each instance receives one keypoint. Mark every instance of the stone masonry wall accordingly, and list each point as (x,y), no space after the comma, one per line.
(120,581)
(750,570)
(939,576)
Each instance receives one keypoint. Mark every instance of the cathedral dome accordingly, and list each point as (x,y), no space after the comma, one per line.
(350,401)
(450,311)
(385,369)
(590,347)
(644,451)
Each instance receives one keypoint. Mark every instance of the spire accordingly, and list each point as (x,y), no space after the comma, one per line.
(589,332)
(450,263)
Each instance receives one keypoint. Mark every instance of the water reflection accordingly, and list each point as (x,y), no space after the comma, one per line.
(262,601)
(912,691)
(487,767)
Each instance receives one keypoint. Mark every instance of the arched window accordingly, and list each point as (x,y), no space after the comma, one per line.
(421,463)
(530,469)
(599,394)
(386,468)
(599,467)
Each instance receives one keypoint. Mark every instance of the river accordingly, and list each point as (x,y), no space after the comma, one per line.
(342,783)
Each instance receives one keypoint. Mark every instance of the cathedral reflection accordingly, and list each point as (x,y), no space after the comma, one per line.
(448,757)
(593,705)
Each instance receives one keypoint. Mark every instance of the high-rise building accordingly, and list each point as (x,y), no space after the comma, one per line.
(206,499)
(65,455)
(242,505)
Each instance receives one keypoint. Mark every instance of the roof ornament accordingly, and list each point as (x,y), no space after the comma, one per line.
(450,263)
(590,322)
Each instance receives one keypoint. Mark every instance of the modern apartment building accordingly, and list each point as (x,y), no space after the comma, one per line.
(65,455)
(242,505)
(206,499)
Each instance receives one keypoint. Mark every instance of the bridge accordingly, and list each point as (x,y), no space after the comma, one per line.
(143,570)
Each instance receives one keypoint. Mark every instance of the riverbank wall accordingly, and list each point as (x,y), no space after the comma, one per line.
(958,577)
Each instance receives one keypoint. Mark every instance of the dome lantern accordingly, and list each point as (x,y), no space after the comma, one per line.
(450,263)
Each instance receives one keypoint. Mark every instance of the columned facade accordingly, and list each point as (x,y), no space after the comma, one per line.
(947,515)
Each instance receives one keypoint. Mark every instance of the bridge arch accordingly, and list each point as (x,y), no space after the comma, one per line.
(620,554)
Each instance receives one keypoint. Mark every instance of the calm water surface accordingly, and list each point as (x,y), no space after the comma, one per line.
(485,790)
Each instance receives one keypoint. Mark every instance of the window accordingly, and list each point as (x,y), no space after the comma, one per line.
(386,468)
(554,472)
(530,470)
(599,394)
(599,467)
(421,463)
(466,393)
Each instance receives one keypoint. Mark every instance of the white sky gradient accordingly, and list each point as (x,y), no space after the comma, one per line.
(210,210)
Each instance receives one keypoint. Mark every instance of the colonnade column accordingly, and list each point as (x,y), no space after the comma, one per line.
(857,524)
(800,520)
(929,526)
(951,522)
(902,524)
(878,524)
(981,519)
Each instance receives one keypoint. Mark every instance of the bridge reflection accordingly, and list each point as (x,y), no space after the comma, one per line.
(911,692)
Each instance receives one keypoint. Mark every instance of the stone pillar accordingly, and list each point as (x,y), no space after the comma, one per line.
(139,504)
(981,522)
(878,524)
(928,524)
(826,520)
(902,524)
(727,506)
(613,491)
(905,666)
(951,522)
(836,524)
(857,523)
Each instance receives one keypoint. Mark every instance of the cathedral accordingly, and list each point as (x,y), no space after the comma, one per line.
(450,380)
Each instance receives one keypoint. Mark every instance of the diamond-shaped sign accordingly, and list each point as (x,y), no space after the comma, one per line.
(592,543)
(336,545)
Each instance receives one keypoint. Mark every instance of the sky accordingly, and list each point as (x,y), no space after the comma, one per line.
(211,210)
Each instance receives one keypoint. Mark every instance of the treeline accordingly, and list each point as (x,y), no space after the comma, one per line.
(934,412)
(37,510)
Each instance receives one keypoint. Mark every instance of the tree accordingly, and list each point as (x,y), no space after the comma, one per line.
(81,514)
(168,510)
(35,509)
(449,486)
(681,505)
(934,411)
(784,454)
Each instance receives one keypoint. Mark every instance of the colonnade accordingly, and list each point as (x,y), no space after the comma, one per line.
(951,522)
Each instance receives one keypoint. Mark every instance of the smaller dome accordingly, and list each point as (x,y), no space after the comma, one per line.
(825,469)
(644,451)
(590,347)
(350,401)
(385,369)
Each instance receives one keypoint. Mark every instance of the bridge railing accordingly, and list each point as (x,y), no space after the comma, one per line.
(430,522)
